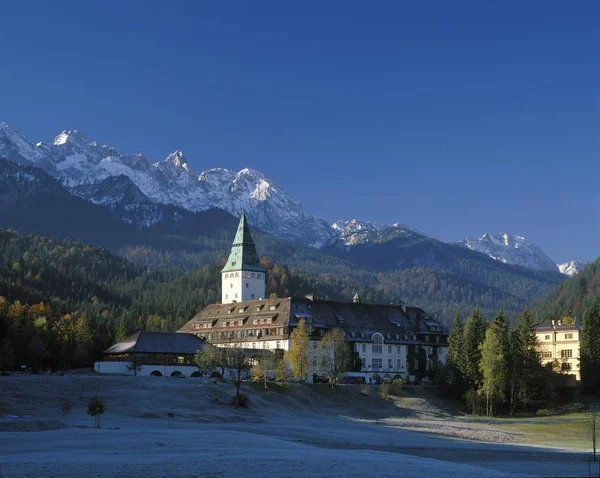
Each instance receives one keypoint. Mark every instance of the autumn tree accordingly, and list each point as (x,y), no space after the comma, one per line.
(298,355)
(333,356)
(492,367)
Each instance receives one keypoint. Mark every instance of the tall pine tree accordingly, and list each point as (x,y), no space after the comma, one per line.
(590,349)
(473,337)
(527,366)
(455,339)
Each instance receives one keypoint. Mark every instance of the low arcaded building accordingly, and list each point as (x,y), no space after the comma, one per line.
(158,354)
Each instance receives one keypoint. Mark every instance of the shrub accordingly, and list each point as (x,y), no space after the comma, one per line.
(396,386)
(384,390)
(95,409)
(377,378)
(364,389)
(244,401)
(543,412)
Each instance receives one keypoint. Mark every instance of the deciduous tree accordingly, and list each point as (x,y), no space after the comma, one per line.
(298,356)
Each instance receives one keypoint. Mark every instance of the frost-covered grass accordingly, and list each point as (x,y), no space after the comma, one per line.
(302,430)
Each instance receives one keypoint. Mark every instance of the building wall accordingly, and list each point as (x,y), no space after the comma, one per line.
(552,345)
(394,352)
(122,368)
(241,286)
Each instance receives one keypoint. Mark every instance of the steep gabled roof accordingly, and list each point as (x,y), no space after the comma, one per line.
(243,254)
(157,342)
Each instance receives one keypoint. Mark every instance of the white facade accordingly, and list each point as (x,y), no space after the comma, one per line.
(125,368)
(560,345)
(242,286)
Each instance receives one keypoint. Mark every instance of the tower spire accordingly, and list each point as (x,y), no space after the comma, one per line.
(243,277)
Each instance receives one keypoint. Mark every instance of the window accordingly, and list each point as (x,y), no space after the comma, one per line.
(377,346)
(376,363)
(398,364)
(259,276)
(427,338)
(236,295)
(398,350)
(247,285)
(253,296)
(568,336)
(389,364)
(278,346)
(231,286)
(321,332)
(264,345)
(314,361)
(547,355)
(546,337)
(226,276)
(364,348)
(390,350)
(568,353)
(226,296)
(363,363)
(237,274)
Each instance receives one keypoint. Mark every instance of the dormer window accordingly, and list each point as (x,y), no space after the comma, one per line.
(241,310)
(274,306)
(230,310)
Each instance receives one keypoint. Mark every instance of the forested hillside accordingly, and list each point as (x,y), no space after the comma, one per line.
(573,296)
(399,265)
(61,303)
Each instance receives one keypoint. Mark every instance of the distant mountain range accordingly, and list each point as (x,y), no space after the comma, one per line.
(163,215)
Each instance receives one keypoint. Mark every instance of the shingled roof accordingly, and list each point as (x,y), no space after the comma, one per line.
(549,327)
(359,320)
(157,342)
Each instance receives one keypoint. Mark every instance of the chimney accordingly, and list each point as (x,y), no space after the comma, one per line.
(559,322)
(356,298)
(552,322)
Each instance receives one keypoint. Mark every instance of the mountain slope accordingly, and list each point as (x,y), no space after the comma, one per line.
(572,296)
(84,168)
(510,249)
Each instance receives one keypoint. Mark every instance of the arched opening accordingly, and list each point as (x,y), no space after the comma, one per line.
(177,374)
(377,347)
(156,373)
(195,374)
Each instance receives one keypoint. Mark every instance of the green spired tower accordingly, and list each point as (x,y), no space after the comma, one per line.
(243,277)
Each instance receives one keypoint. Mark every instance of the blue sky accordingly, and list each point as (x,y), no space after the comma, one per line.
(457,118)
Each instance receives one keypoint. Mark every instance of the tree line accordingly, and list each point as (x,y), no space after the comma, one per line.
(496,368)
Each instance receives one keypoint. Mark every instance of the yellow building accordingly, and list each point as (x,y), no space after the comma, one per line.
(559,343)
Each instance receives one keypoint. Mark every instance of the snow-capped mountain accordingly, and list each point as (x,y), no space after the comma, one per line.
(571,268)
(510,249)
(355,232)
(89,169)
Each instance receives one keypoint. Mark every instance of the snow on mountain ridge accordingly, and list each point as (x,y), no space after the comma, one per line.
(510,249)
(571,268)
(77,163)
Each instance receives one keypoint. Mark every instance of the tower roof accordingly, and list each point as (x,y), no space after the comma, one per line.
(243,254)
